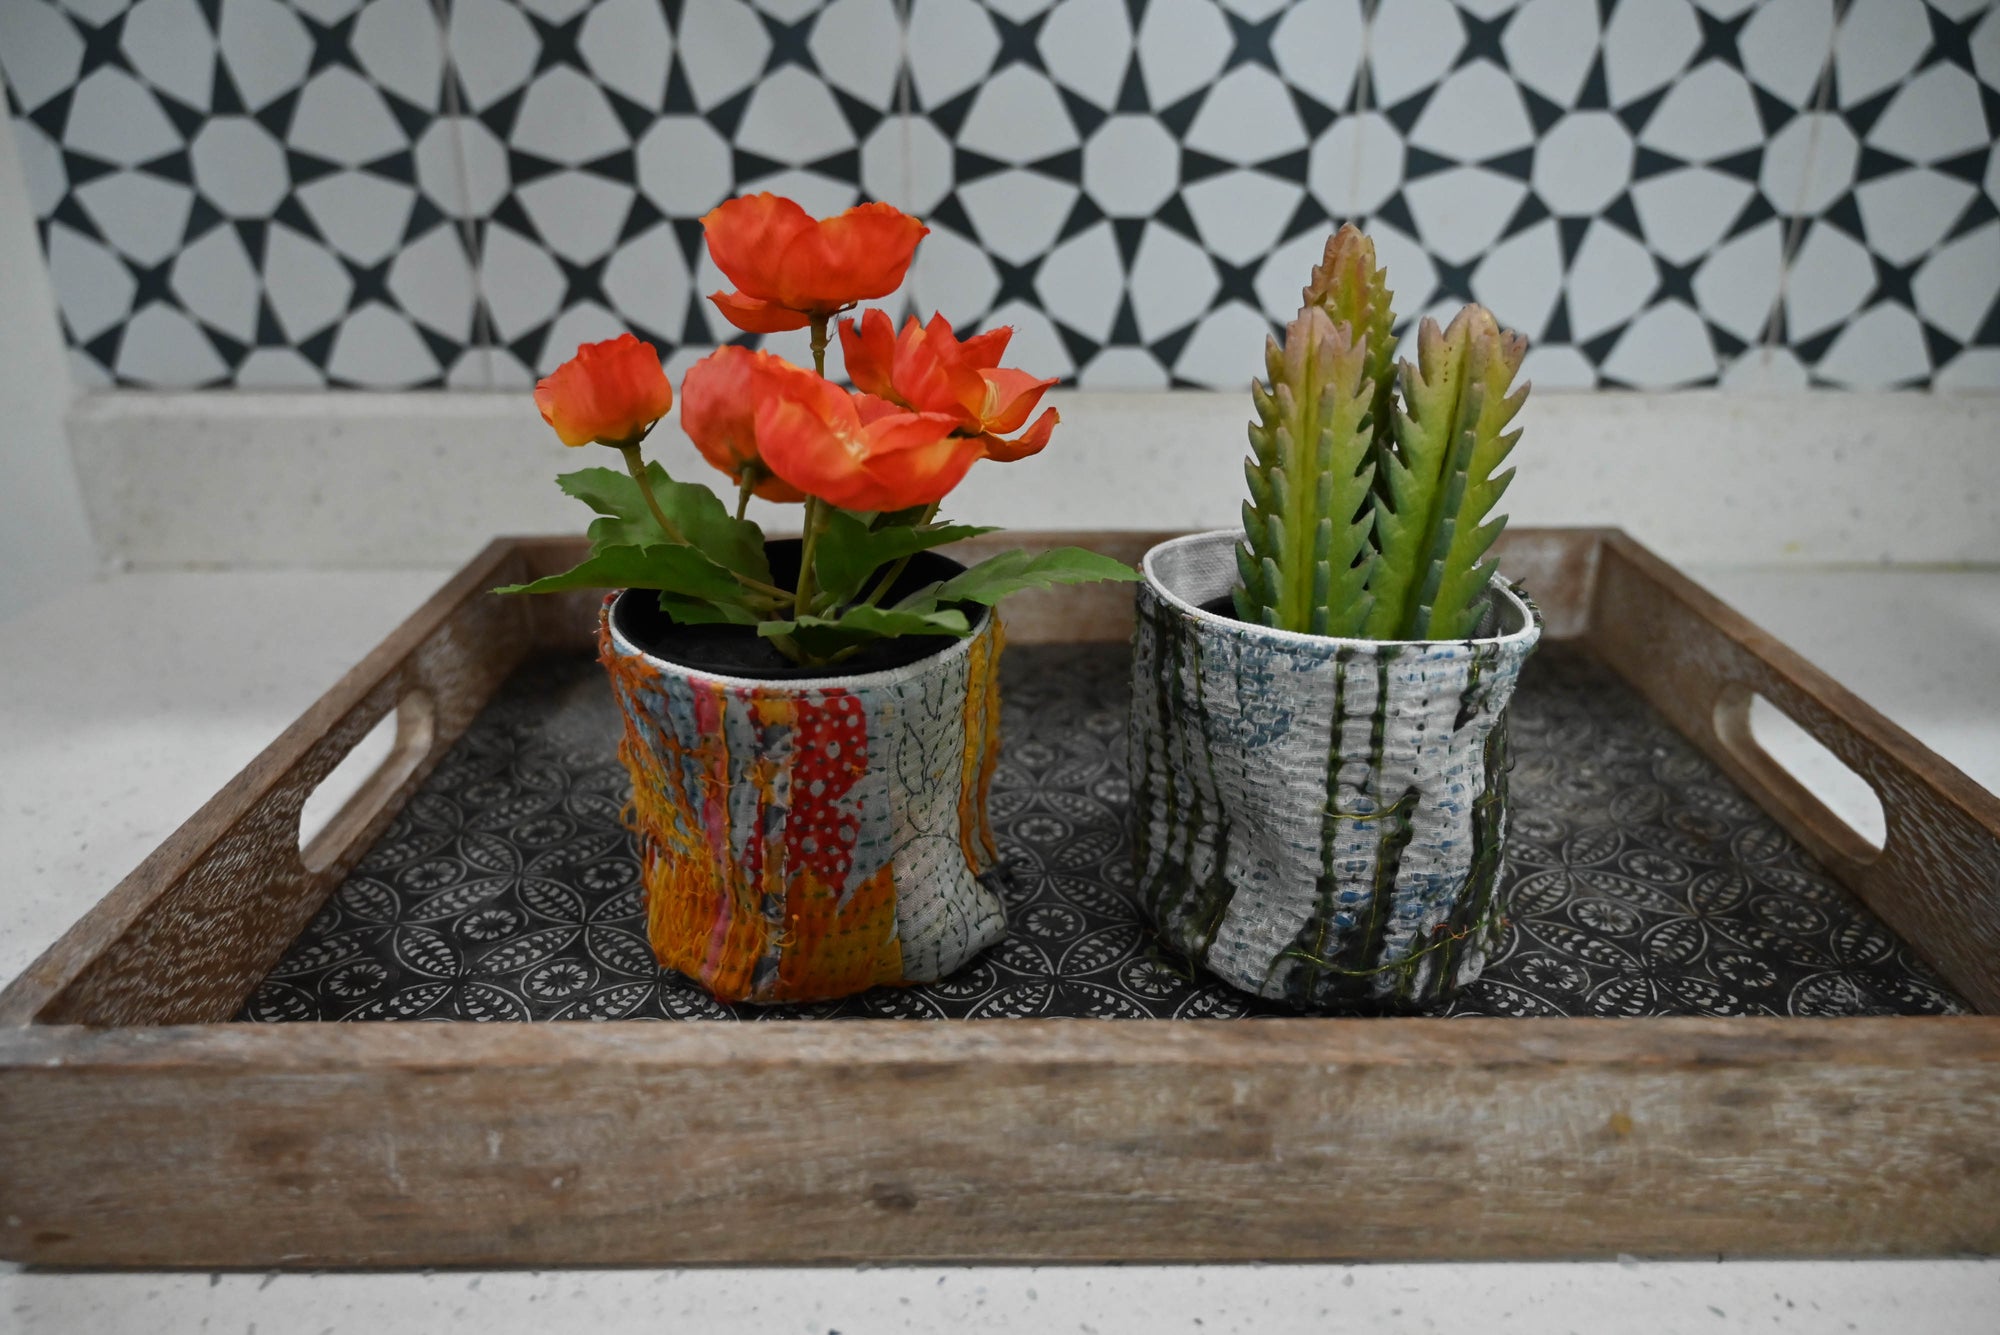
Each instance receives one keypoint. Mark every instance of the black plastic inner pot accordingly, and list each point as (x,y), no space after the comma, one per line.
(738,651)
(1489,625)
(1225,606)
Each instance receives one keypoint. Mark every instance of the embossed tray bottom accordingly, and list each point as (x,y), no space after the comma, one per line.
(1639,880)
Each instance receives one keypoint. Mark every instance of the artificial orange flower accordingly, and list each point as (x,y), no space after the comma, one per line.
(610,392)
(790,268)
(719,399)
(928,368)
(860,452)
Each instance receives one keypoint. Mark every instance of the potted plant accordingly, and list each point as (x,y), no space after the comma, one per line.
(1318,737)
(811,725)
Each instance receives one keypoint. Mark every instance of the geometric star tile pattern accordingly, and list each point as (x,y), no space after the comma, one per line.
(454,193)
(235,192)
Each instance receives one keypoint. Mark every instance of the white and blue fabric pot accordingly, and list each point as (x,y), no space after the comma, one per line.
(1316,820)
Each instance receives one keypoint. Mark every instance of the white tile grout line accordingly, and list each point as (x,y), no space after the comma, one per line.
(1795,226)
(905,79)
(1358,97)
(468,227)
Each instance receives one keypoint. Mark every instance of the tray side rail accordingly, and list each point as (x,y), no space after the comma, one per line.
(195,927)
(1005,1141)
(1936,879)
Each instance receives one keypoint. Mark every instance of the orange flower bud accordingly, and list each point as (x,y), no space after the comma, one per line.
(860,452)
(610,392)
(719,399)
(790,268)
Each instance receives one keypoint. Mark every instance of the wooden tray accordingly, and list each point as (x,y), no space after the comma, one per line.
(137,1127)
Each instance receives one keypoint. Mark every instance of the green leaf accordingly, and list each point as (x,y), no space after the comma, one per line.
(677,570)
(890,518)
(827,639)
(1010,572)
(735,544)
(878,622)
(696,612)
(849,553)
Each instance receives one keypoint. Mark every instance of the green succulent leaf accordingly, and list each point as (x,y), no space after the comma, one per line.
(1353,290)
(735,544)
(1443,478)
(849,553)
(1305,557)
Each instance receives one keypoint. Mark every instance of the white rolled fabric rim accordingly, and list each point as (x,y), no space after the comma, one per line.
(1516,605)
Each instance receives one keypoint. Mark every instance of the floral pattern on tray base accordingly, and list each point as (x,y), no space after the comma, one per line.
(1639,880)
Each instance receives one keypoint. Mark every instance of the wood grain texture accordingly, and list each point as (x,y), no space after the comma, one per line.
(1026,1140)
(198,924)
(162,1138)
(1935,882)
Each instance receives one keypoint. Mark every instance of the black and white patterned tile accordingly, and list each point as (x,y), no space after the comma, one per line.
(244,192)
(1767,193)
(1899,265)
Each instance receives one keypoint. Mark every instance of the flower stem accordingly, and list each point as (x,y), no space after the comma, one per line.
(808,586)
(819,330)
(802,598)
(744,485)
(635,464)
(895,571)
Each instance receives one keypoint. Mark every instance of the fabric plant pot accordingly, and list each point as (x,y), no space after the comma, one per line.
(807,838)
(1316,820)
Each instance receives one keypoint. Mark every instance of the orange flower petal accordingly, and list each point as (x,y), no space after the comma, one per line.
(897,433)
(810,434)
(746,232)
(869,348)
(1028,442)
(915,460)
(853,256)
(719,398)
(982,352)
(1011,396)
(777,254)
(931,375)
(757,317)
(849,451)
(873,408)
(610,392)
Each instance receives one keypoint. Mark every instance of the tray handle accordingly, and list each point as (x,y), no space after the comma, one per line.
(1936,879)
(339,838)
(198,925)
(1776,788)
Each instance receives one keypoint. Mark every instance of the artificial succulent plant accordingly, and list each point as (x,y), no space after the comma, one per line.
(1371,480)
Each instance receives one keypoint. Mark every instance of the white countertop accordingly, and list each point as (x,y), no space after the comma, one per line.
(105,748)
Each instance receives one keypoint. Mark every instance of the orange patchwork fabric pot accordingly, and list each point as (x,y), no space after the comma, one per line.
(808,839)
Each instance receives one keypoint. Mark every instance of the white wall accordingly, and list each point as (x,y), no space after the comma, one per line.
(45,542)
(1706,477)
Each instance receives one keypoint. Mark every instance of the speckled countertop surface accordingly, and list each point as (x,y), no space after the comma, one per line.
(104,750)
